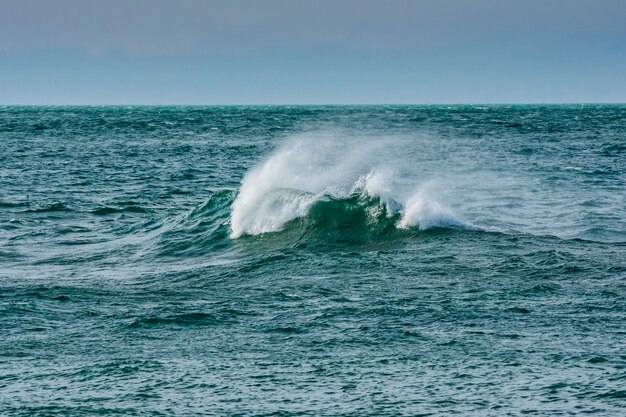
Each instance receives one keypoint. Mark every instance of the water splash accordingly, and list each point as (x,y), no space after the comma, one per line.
(306,169)
(421,210)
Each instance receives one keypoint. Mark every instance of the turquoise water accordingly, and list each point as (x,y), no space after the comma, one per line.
(372,260)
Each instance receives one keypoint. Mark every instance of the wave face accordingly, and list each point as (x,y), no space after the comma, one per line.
(312,260)
(304,177)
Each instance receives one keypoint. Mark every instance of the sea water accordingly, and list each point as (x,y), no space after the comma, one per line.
(313,260)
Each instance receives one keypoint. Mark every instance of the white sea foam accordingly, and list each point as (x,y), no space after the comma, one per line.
(422,211)
(306,168)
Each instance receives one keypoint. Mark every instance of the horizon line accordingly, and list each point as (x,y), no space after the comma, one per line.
(564,103)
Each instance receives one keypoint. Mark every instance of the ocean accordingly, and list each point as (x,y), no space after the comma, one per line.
(313,260)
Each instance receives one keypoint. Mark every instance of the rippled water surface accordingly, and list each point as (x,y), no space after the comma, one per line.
(374,260)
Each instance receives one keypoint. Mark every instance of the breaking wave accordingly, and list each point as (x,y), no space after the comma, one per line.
(333,184)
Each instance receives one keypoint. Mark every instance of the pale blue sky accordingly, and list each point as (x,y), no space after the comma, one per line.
(296,51)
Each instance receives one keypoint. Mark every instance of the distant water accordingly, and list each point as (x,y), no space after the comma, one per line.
(373,260)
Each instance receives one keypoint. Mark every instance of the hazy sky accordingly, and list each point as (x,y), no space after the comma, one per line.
(315,51)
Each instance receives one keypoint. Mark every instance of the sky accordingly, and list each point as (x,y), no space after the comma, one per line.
(312,51)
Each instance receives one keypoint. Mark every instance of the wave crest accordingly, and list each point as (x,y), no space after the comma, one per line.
(332,186)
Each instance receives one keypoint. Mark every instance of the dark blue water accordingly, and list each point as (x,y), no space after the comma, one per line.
(375,260)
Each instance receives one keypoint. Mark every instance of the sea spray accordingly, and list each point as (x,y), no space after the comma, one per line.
(421,210)
(307,168)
